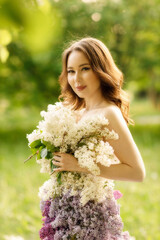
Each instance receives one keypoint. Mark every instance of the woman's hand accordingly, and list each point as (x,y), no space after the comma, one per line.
(66,162)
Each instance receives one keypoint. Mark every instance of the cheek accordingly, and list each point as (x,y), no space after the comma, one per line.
(95,81)
(69,80)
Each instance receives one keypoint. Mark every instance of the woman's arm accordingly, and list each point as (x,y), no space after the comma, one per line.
(131,167)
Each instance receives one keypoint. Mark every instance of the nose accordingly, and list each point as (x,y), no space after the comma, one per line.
(77,77)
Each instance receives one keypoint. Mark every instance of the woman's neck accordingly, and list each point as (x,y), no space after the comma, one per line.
(95,101)
(92,104)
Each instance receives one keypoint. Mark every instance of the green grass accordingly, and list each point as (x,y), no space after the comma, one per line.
(19,206)
(143,107)
(19,182)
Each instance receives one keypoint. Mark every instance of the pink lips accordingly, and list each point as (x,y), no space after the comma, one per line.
(80,88)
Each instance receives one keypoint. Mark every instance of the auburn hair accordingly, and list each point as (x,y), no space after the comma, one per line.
(104,67)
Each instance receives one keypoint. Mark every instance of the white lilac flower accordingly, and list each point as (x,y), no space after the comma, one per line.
(90,154)
(45,165)
(35,135)
(91,187)
(47,190)
(86,158)
(58,126)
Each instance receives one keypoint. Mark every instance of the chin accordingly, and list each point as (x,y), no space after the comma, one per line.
(80,95)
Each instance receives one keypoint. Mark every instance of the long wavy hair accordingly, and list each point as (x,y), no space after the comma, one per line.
(103,66)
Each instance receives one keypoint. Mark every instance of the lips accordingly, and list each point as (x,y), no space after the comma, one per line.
(80,88)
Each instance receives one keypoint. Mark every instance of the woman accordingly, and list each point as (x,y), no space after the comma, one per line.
(91,84)
(91,81)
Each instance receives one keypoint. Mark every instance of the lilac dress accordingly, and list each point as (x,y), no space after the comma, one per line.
(65,218)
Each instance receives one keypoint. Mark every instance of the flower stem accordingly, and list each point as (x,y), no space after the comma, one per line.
(30,157)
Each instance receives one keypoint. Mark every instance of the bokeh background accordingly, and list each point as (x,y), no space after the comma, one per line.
(33,34)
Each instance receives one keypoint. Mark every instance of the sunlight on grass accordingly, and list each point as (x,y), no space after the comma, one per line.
(19,186)
(143,107)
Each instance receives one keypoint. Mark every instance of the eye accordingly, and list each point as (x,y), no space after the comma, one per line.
(70,71)
(85,69)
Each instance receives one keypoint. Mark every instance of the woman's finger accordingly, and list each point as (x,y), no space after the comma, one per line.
(56,157)
(57,169)
(57,163)
(57,153)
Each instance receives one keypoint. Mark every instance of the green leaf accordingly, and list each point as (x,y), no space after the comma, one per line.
(69,149)
(36,144)
(81,144)
(39,153)
(34,150)
(73,237)
(44,153)
(50,147)
(59,178)
(51,165)
(49,155)
(55,149)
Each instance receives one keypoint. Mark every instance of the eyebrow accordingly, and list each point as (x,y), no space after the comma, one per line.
(81,65)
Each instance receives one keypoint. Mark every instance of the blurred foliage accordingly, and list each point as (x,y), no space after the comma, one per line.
(38,31)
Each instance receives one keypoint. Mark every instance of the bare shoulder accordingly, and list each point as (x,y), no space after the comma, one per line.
(112,111)
(114,114)
(116,119)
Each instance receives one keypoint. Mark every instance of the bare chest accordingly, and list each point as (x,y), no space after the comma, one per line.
(82,114)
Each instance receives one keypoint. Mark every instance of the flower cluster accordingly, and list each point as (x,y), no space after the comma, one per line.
(85,139)
(58,127)
(91,187)
(65,218)
(95,151)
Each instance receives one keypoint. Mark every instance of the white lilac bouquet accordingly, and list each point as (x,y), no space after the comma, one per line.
(53,134)
(60,132)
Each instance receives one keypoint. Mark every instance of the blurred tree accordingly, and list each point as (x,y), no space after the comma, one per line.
(35,29)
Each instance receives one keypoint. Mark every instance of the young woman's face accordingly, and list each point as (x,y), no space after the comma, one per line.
(81,77)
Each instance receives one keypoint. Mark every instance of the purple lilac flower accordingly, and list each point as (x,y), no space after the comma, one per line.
(66,218)
(47,232)
(44,206)
(117,194)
